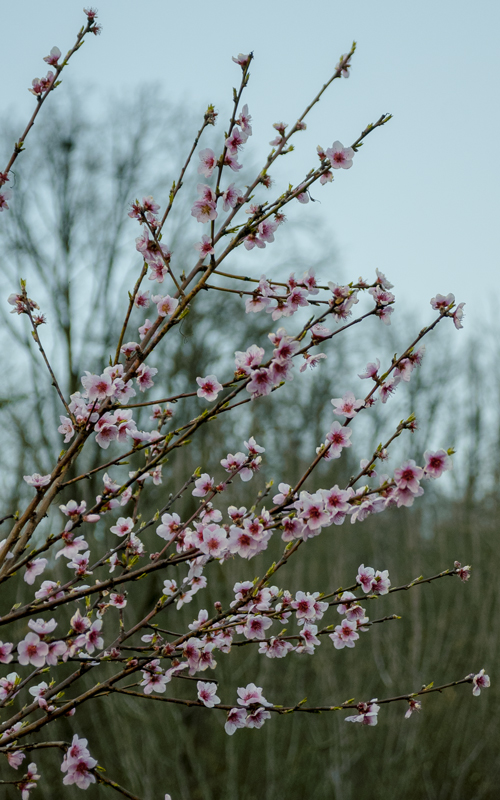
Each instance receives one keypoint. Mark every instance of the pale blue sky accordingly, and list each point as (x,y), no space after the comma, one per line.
(421,201)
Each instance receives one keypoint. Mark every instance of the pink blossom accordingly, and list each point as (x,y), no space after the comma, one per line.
(205,209)
(266,230)
(253,448)
(155,254)
(388,388)
(231,161)
(458,316)
(244,121)
(158,271)
(214,542)
(42,626)
(208,162)
(408,475)
(335,499)
(117,600)
(252,240)
(275,648)
(338,437)
(169,587)
(47,588)
(5,652)
(251,694)
(66,428)
(463,572)
(381,582)
(404,369)
(296,299)
(79,623)
(209,387)
(37,480)
(143,329)
(154,681)
(123,526)
(304,606)
(242,60)
(207,693)
(345,634)
(365,578)
(442,303)
(480,681)
(256,626)
(346,607)
(340,156)
(232,197)
(309,281)
(5,194)
(309,639)
(413,705)
(80,563)
(53,58)
(144,376)
(203,485)
(236,718)
(141,300)
(257,718)
(371,370)
(320,331)
(149,205)
(170,525)
(166,305)
(31,650)
(77,763)
(280,127)
(38,693)
(261,383)
(231,463)
(205,246)
(281,370)
(15,758)
(34,569)
(313,511)
(56,649)
(28,782)
(303,196)
(284,491)
(368,713)
(384,282)
(93,639)
(381,296)
(347,405)
(257,302)
(8,684)
(246,360)
(236,140)
(41,85)
(97,387)
(106,430)
(436,463)
(243,542)
(311,361)
(384,314)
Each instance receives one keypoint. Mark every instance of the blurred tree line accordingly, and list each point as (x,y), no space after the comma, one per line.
(69,221)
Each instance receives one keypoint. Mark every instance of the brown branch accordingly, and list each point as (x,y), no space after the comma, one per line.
(58,68)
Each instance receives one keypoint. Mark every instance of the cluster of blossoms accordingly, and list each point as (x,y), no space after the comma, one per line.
(78,764)
(103,630)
